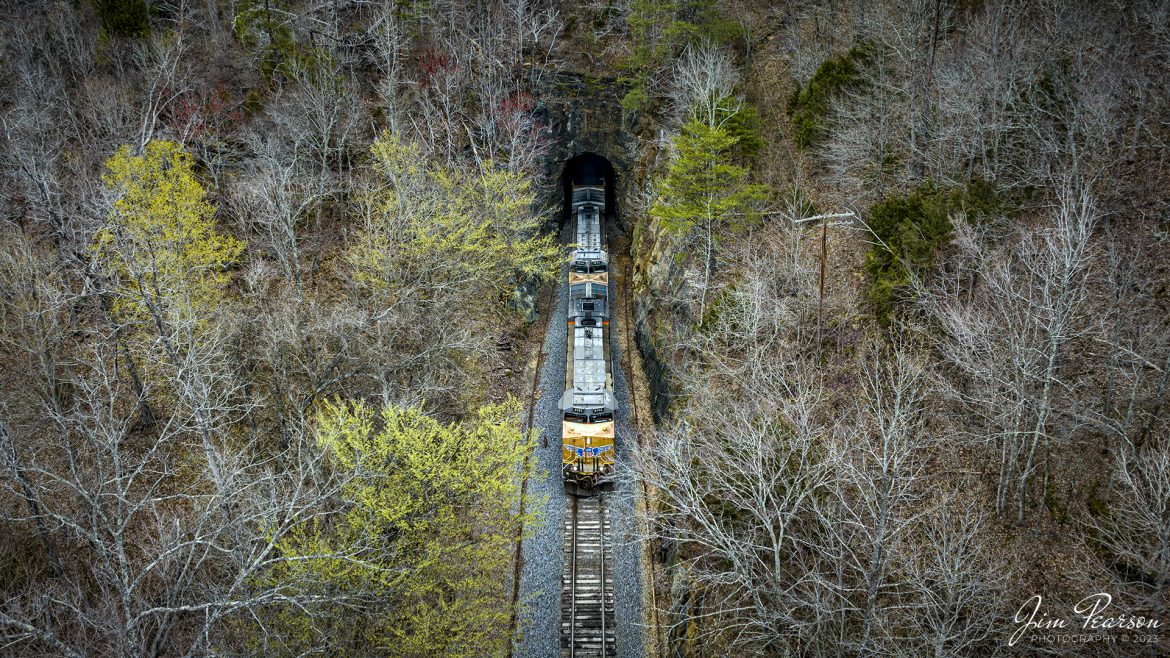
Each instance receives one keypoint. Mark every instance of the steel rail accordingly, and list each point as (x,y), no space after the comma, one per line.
(573,586)
(601,554)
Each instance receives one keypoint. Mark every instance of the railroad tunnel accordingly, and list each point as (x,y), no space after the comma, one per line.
(588,169)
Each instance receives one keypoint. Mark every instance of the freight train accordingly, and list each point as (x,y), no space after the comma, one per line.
(588,405)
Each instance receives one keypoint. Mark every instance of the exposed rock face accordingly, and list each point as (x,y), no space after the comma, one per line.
(584,115)
(657,274)
(656,271)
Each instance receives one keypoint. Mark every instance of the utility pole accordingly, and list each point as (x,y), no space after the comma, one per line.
(844,219)
(821,282)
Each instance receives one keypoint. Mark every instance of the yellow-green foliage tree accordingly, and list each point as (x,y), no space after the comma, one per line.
(421,546)
(432,229)
(168,265)
(160,243)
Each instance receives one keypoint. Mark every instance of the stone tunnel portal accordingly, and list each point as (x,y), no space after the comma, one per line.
(588,169)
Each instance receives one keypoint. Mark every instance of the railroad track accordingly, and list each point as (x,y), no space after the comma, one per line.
(587,619)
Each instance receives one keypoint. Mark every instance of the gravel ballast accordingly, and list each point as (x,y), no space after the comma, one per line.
(540,580)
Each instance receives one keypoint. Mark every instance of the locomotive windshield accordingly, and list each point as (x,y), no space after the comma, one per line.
(589,418)
(587,291)
(588,266)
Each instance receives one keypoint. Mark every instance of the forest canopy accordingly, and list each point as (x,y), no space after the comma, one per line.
(890,278)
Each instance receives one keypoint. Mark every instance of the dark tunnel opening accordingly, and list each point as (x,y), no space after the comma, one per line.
(588,169)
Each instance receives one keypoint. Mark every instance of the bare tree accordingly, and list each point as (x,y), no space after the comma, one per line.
(881,499)
(165,72)
(741,499)
(703,85)
(745,475)
(1010,339)
(1136,336)
(305,350)
(320,117)
(279,195)
(869,134)
(1135,528)
(978,79)
(389,37)
(145,530)
(956,583)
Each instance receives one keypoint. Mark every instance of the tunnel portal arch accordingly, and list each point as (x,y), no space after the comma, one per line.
(588,168)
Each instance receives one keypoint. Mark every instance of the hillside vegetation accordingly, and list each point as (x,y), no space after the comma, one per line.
(964,405)
(263,265)
(257,261)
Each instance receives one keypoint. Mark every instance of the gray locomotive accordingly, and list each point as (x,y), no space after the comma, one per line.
(588,404)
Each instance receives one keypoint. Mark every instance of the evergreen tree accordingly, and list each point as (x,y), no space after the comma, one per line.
(705,191)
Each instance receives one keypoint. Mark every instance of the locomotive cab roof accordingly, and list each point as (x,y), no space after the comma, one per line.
(589,404)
